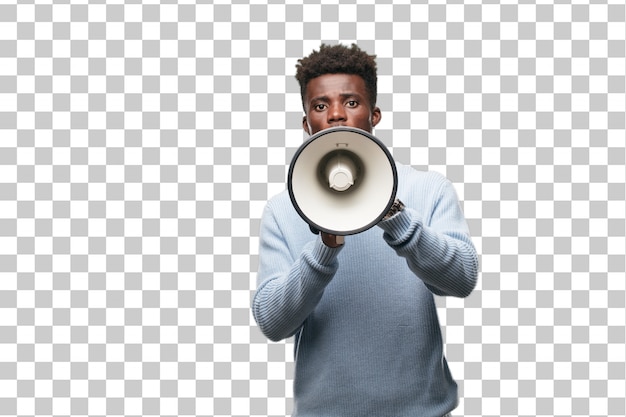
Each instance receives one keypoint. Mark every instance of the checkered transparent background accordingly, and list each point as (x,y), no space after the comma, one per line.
(139,143)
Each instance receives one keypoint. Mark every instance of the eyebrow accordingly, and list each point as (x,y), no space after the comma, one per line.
(342,95)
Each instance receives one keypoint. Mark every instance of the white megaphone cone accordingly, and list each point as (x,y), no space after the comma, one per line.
(342,181)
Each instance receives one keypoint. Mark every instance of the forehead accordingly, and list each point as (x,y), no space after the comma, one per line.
(329,85)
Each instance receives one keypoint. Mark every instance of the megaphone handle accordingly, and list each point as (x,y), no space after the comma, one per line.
(333,241)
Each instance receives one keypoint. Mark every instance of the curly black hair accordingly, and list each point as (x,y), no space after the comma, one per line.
(338,59)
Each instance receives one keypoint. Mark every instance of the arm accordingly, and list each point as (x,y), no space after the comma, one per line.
(441,253)
(289,289)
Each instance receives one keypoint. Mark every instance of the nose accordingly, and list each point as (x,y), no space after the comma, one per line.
(336,113)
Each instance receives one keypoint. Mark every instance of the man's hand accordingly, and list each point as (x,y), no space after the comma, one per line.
(332,241)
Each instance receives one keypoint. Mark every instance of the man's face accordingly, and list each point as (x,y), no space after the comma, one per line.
(338,100)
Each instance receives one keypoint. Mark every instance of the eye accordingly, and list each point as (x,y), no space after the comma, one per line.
(319,107)
(352,103)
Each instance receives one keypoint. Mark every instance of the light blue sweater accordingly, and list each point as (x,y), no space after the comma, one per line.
(367,337)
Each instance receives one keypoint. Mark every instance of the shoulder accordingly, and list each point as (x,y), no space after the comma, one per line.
(279,199)
(409,176)
(281,209)
(281,220)
(423,189)
(279,203)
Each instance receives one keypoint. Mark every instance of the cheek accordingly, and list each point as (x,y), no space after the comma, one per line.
(312,119)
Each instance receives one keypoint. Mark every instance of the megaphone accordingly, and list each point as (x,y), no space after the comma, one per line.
(342,180)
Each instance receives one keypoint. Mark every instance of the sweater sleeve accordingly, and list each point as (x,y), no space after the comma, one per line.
(441,253)
(288,289)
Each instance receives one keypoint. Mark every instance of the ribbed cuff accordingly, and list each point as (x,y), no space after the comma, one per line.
(396,227)
(324,255)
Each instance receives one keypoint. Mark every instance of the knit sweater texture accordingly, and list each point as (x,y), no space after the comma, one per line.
(367,337)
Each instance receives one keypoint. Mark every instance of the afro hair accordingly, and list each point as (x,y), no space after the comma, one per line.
(338,59)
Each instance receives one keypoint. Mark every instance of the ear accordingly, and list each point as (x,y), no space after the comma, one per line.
(376,116)
(305,125)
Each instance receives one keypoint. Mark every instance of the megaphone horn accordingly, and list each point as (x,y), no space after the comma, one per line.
(342,180)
